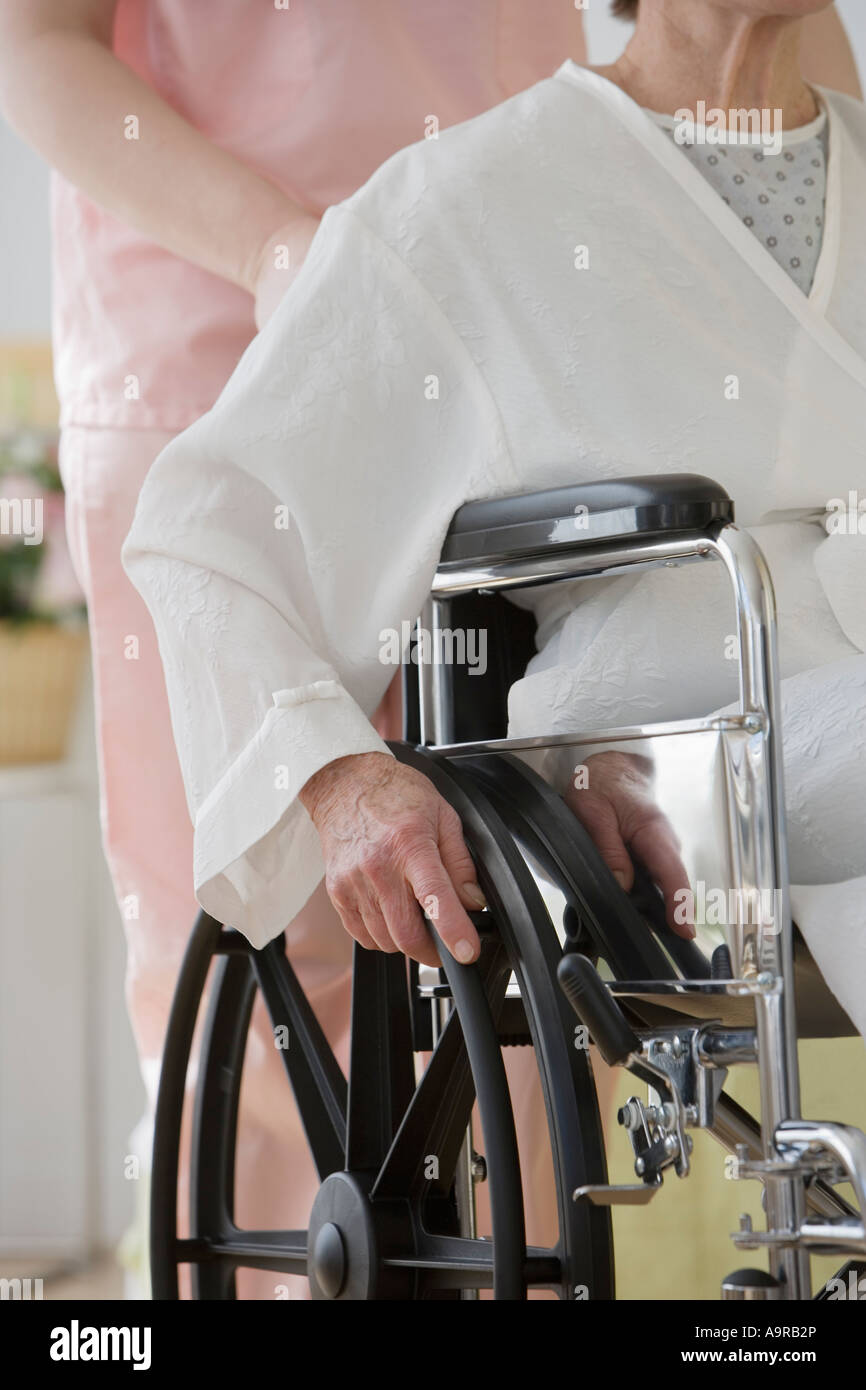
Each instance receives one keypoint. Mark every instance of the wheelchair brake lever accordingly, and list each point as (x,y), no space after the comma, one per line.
(594,1005)
(610,1030)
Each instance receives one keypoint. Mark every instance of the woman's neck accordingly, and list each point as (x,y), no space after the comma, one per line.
(684,52)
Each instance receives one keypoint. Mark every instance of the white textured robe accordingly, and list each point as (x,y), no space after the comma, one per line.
(548,294)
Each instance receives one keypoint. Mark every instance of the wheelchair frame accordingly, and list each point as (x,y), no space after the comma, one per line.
(794,1153)
(369,1235)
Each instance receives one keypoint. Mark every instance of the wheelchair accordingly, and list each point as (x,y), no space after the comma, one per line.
(566,956)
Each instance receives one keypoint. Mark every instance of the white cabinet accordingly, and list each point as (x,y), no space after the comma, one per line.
(70,1092)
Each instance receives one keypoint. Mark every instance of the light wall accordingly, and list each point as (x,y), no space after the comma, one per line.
(25,249)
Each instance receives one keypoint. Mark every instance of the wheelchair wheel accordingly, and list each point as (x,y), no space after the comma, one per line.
(385,1224)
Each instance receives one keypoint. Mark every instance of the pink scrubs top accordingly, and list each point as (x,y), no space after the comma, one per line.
(313,93)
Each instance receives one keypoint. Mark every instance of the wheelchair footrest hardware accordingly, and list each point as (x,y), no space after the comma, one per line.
(636,1194)
(832,1238)
(740,1165)
(814,1143)
(810,1149)
(751,1284)
(657,1138)
(821,1237)
(686,1065)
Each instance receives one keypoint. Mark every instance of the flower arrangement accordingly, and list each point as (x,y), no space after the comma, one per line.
(43,635)
(37,581)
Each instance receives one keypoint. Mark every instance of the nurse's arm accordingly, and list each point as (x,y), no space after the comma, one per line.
(65,92)
(827,58)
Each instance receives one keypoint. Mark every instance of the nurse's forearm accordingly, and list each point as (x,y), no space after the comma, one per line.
(78,105)
(827,58)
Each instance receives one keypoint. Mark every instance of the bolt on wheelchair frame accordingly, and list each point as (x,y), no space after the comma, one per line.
(381,1226)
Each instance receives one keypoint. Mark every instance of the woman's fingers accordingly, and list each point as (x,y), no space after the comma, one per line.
(458,862)
(599,816)
(658,849)
(376,925)
(383,909)
(406,926)
(394,850)
(436,893)
(354,925)
(621,815)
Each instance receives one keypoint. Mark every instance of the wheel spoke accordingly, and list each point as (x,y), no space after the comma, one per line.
(496,826)
(373,1140)
(285,1251)
(449,1262)
(454,1262)
(434,1125)
(497,1118)
(381,1072)
(577,1142)
(435,1122)
(316,1079)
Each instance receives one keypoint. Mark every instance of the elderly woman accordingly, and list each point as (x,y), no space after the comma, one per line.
(593,279)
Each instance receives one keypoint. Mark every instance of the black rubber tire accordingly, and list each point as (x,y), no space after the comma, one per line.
(371,1128)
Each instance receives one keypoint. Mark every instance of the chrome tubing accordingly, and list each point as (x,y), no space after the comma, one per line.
(436,705)
(759,948)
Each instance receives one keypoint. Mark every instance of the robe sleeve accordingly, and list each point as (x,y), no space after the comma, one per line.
(281,542)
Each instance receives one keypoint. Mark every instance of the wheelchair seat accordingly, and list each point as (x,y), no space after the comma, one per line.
(819,1013)
(584,514)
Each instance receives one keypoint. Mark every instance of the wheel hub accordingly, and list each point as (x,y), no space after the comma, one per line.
(329,1260)
(347,1237)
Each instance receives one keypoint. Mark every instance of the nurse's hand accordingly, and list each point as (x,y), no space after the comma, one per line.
(279,261)
(617,807)
(391,845)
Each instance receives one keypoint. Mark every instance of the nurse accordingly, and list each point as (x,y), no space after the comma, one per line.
(196,144)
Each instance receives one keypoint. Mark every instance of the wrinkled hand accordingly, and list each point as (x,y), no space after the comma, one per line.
(618,810)
(390,842)
(279,261)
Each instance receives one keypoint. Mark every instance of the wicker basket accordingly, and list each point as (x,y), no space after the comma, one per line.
(40,675)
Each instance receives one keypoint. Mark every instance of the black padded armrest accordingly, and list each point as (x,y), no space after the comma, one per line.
(585,514)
